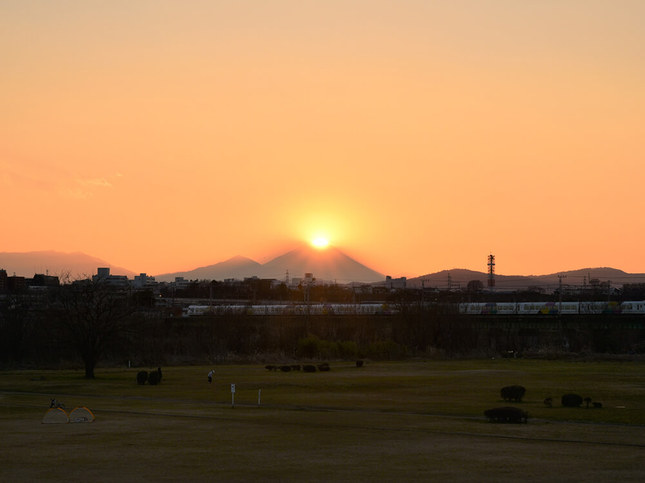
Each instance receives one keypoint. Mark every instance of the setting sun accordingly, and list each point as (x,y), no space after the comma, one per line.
(320,242)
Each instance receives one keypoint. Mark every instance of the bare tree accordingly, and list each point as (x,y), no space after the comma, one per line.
(94,315)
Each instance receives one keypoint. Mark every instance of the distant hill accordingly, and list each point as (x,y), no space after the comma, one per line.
(460,278)
(330,264)
(77,265)
(236,267)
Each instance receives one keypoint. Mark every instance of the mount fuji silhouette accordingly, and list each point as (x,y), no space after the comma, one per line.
(330,264)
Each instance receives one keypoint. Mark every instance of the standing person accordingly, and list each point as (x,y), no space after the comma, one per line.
(210,376)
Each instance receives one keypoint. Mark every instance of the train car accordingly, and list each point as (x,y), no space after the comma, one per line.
(552,308)
(612,308)
(568,307)
(472,308)
(487,308)
(193,310)
(537,308)
(506,308)
(270,309)
(599,308)
(631,307)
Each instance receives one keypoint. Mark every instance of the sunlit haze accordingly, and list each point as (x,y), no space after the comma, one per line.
(320,243)
(420,136)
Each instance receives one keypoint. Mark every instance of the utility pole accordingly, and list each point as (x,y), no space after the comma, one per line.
(560,277)
(423,289)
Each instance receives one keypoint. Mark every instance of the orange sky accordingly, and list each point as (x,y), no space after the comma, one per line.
(419,136)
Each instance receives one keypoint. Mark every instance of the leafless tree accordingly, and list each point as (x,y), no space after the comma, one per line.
(93,315)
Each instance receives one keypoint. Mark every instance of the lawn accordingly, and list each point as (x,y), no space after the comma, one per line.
(404,421)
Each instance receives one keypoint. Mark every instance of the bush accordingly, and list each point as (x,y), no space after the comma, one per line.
(154,378)
(142,377)
(506,415)
(572,400)
(513,393)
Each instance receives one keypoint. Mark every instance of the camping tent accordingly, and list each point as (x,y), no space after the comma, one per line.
(81,415)
(55,416)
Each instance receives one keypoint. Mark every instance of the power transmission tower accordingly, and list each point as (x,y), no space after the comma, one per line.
(491,271)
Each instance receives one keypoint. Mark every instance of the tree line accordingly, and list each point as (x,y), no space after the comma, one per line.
(88,323)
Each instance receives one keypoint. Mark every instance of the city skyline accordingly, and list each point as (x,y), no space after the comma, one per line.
(416,136)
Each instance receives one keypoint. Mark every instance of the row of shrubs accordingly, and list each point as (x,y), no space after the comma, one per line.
(324,367)
(573,401)
(312,347)
(153,377)
(516,393)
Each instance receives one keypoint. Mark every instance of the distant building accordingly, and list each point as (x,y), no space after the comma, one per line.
(295,282)
(16,284)
(103,275)
(180,283)
(395,283)
(43,282)
(142,281)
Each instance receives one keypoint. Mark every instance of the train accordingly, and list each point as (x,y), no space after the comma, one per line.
(290,309)
(552,308)
(377,308)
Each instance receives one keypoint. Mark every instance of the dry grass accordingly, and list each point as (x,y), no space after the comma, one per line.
(398,421)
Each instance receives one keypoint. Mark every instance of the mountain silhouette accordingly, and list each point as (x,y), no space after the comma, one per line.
(329,264)
(75,265)
(237,267)
(459,278)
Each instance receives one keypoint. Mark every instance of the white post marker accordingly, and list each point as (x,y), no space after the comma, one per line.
(232,395)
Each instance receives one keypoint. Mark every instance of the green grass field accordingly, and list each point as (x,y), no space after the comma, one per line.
(403,421)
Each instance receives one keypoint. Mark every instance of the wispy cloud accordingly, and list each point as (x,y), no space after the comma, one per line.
(84,188)
(27,175)
(98,182)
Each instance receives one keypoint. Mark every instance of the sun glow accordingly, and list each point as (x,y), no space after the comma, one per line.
(320,242)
